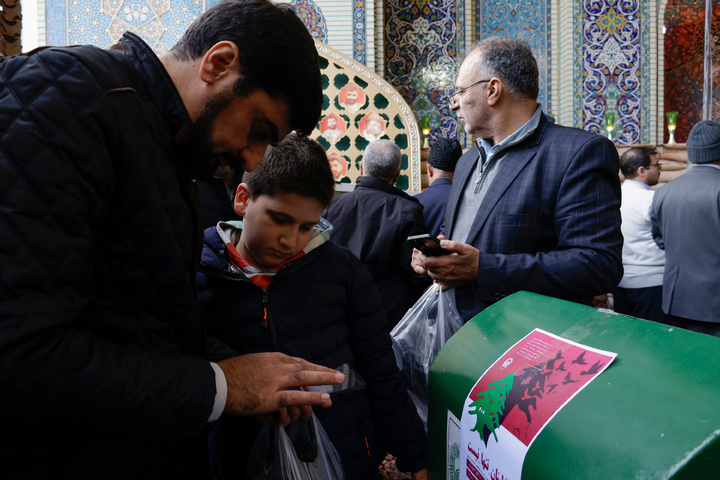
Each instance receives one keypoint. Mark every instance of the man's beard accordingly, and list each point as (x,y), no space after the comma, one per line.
(205,162)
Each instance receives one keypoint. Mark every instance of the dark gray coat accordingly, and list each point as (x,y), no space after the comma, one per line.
(687,213)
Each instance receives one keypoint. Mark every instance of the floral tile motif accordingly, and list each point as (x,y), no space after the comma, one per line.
(359,31)
(422,43)
(313,18)
(161,23)
(528,20)
(613,48)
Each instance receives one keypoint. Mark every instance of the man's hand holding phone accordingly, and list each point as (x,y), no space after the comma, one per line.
(351,383)
(265,382)
(458,266)
(428,244)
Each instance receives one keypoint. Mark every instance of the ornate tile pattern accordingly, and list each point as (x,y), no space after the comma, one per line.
(312,17)
(421,52)
(161,23)
(359,31)
(611,70)
(612,41)
(528,20)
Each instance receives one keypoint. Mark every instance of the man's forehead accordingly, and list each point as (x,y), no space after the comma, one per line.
(472,65)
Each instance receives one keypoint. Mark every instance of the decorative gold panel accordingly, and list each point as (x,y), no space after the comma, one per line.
(360,107)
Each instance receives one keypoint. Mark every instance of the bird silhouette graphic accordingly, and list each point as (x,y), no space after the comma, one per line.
(568,380)
(551,363)
(592,370)
(561,367)
(580,360)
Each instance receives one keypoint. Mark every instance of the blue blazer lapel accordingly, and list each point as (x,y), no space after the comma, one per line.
(511,167)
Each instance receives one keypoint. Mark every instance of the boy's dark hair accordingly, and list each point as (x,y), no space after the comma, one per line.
(633,159)
(296,165)
(277,53)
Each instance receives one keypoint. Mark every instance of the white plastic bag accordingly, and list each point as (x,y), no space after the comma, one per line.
(418,338)
(300,451)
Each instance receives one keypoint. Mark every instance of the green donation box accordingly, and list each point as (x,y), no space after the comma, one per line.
(540,388)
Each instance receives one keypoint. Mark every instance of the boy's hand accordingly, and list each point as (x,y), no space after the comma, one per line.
(260,382)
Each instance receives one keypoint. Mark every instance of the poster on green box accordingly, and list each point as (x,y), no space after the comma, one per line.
(516,397)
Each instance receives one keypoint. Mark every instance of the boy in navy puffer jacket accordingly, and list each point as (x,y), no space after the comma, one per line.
(274,282)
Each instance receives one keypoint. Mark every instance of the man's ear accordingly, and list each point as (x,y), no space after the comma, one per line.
(494,91)
(242,197)
(394,180)
(220,62)
(430,170)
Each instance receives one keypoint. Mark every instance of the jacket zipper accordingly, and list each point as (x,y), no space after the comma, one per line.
(267,320)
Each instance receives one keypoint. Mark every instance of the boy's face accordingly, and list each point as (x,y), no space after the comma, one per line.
(275,227)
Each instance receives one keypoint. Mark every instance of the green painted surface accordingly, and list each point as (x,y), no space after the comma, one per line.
(653,414)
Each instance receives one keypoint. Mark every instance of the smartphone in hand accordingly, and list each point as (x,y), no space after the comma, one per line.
(427,244)
(351,383)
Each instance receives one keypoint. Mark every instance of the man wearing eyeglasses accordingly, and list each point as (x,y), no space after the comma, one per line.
(535,206)
(639,293)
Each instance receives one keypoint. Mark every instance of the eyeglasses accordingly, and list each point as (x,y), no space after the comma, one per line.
(452,101)
(658,164)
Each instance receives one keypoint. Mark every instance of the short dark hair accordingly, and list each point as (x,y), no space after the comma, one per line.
(277,53)
(382,159)
(298,165)
(444,154)
(513,62)
(635,158)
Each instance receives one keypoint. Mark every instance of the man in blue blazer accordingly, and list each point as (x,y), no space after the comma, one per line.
(686,224)
(534,206)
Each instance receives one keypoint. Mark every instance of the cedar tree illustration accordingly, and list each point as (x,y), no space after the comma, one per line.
(489,405)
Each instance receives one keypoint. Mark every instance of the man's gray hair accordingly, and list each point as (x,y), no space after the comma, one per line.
(382,160)
(512,61)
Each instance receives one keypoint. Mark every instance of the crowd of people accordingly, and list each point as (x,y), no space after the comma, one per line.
(135,345)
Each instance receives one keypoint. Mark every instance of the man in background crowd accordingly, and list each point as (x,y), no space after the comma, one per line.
(374,221)
(639,293)
(442,158)
(686,224)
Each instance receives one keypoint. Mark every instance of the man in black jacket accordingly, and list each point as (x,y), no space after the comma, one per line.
(103,362)
(374,221)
